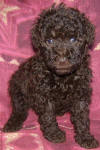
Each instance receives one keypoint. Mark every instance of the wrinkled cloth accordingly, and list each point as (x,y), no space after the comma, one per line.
(16,19)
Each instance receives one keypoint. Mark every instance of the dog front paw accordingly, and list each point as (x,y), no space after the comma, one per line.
(11,127)
(57,136)
(86,141)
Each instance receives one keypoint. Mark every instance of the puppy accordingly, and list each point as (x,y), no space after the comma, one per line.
(56,80)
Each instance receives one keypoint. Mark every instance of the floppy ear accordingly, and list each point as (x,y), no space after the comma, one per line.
(90,32)
(37,29)
(35,37)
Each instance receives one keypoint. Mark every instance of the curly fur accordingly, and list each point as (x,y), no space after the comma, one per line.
(56,80)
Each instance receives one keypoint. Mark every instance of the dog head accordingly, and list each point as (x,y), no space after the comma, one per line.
(62,36)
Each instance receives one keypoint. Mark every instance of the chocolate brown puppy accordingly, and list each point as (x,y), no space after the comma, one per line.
(56,80)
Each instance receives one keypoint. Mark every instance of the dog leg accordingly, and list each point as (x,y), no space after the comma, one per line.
(49,126)
(80,119)
(18,115)
(15,122)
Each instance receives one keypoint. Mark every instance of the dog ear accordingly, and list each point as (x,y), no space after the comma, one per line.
(35,38)
(90,32)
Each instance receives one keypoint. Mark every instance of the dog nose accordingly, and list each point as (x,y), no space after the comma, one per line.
(62,60)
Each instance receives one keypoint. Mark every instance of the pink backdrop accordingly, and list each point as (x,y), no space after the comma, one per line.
(16,18)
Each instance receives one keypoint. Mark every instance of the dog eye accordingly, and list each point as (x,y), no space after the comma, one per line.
(72,39)
(50,41)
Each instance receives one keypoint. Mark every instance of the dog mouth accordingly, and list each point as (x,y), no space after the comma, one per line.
(65,70)
(62,71)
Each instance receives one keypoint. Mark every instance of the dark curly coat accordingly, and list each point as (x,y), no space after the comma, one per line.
(56,80)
